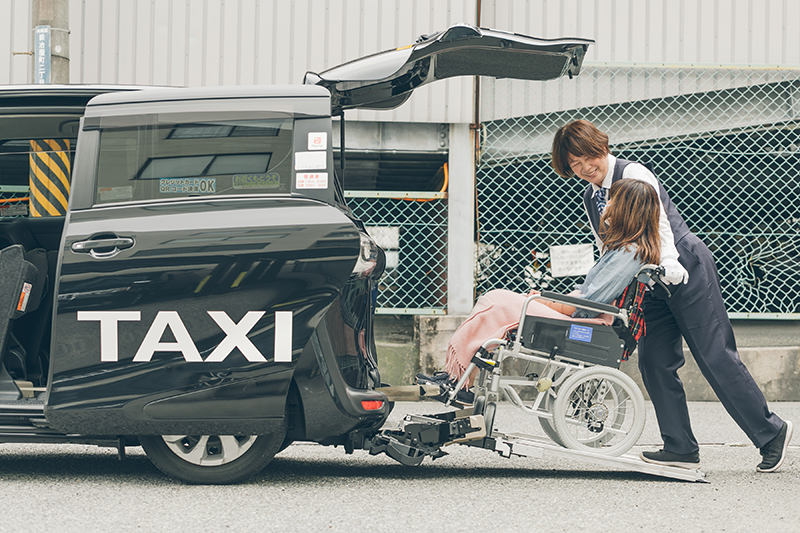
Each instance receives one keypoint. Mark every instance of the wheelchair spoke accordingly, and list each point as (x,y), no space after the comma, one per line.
(595,410)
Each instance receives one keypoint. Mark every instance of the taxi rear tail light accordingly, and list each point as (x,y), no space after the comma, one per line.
(371,405)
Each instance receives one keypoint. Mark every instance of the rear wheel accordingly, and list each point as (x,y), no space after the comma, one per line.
(212,459)
(548,405)
(600,410)
(547,424)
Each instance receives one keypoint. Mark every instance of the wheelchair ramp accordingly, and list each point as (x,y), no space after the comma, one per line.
(539,447)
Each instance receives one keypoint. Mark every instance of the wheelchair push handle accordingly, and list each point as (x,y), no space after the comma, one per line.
(651,275)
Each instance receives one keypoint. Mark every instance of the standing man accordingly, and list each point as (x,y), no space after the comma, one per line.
(695,311)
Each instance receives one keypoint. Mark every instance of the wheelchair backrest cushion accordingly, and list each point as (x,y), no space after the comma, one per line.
(597,344)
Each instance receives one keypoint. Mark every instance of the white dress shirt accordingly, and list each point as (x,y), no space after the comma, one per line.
(638,171)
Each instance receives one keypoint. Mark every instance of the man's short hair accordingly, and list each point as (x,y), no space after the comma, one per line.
(580,138)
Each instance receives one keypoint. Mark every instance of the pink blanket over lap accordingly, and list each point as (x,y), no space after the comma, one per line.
(494,313)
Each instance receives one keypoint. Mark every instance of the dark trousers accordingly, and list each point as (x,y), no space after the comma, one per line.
(697,313)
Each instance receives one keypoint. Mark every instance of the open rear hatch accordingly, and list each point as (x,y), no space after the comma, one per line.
(386,79)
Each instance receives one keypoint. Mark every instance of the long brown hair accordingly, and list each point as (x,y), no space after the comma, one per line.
(631,217)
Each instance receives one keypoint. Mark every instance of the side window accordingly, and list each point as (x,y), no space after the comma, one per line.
(35,176)
(211,158)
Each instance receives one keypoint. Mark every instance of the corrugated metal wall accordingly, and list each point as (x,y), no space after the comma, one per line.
(244,42)
(642,32)
(241,42)
(15,41)
(685,31)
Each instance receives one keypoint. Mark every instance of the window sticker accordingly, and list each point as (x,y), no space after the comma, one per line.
(188,185)
(580,333)
(112,194)
(318,180)
(310,160)
(15,209)
(271,180)
(318,141)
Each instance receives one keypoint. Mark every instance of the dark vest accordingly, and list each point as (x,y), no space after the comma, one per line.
(679,227)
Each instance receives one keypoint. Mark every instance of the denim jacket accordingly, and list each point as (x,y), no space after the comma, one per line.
(607,279)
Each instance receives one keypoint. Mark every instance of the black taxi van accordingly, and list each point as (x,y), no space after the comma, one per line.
(179,269)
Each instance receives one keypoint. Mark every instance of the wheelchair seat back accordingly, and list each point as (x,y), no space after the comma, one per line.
(596,344)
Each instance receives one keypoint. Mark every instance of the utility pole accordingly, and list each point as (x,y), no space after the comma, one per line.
(51,25)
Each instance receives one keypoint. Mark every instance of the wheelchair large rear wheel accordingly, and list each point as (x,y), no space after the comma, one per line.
(599,410)
(547,424)
(548,404)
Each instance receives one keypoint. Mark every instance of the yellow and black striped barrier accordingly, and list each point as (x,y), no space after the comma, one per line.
(49,177)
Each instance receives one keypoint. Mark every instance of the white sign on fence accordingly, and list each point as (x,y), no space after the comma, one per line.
(571,260)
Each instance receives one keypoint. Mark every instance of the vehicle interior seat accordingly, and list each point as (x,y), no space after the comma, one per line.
(26,353)
(30,332)
(18,277)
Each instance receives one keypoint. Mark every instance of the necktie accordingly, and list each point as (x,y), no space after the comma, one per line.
(600,198)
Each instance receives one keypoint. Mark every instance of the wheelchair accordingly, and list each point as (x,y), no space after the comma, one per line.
(571,379)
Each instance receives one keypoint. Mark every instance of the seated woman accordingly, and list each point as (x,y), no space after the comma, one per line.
(630,240)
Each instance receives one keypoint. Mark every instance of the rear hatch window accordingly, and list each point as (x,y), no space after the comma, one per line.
(158,162)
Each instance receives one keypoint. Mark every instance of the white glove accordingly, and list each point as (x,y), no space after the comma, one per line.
(674,273)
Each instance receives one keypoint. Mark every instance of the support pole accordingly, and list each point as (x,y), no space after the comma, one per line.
(54,13)
(461,221)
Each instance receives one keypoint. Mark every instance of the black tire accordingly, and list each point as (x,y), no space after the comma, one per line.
(550,431)
(488,417)
(479,405)
(547,423)
(212,468)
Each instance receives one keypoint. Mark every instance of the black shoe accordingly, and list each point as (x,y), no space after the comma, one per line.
(661,457)
(465,396)
(774,452)
(436,379)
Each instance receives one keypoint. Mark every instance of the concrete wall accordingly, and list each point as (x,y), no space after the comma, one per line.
(398,349)
(769,349)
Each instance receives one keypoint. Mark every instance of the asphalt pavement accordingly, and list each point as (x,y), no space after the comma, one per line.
(313,488)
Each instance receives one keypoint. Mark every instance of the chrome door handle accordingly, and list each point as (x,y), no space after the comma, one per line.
(111,246)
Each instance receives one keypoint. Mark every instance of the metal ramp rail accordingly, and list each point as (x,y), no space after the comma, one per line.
(540,447)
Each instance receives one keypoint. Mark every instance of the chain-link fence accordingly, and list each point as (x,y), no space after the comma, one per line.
(724,142)
(412,230)
(14,201)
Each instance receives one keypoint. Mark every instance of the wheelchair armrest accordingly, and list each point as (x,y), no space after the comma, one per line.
(580,302)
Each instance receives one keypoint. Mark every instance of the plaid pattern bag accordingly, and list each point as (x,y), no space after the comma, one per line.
(636,324)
